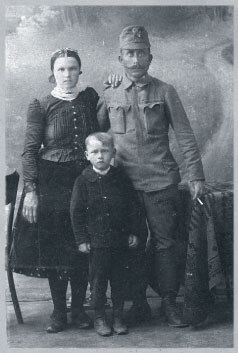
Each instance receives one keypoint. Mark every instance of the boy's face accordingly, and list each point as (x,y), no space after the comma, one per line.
(99,154)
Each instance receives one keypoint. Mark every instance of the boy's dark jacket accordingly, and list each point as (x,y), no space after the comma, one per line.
(104,209)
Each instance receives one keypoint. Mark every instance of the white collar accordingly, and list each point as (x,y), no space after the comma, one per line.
(60,93)
(101,172)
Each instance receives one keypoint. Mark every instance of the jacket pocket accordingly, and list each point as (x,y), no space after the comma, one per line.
(154,117)
(118,118)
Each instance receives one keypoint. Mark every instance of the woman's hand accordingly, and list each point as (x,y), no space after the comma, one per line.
(30,206)
(85,248)
(114,80)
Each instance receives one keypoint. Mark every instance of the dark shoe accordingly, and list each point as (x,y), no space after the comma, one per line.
(138,313)
(169,308)
(119,327)
(58,323)
(81,320)
(101,327)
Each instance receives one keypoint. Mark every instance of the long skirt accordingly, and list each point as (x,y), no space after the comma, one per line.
(48,244)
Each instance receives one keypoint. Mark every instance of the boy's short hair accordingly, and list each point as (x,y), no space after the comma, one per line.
(103,137)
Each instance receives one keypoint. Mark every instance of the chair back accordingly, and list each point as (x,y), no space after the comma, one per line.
(12,181)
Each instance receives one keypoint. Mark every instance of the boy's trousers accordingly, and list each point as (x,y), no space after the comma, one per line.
(107,264)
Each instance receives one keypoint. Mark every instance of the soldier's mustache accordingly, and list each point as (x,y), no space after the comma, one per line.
(136,67)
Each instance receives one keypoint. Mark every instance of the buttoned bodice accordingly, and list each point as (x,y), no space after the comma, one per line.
(56,130)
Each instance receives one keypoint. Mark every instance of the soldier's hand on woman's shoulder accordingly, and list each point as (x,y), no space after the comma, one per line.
(30,206)
(114,80)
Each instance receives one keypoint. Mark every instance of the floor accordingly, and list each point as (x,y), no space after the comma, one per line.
(36,306)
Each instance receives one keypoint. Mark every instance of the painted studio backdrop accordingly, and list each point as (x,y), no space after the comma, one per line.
(192,49)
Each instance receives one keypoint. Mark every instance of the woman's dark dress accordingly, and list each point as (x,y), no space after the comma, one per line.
(52,159)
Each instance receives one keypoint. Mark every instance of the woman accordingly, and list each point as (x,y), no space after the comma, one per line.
(53,157)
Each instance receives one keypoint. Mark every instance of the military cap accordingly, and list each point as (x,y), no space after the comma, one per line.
(134,37)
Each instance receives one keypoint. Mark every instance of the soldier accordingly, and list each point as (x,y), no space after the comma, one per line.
(139,113)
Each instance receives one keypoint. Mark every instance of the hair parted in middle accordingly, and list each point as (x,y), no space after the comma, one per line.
(60,53)
(73,53)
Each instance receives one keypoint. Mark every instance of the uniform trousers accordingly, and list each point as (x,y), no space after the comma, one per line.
(161,214)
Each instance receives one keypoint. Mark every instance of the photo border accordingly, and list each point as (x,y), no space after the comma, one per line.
(3,334)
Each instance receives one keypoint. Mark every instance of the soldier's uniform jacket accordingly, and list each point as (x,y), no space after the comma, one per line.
(139,115)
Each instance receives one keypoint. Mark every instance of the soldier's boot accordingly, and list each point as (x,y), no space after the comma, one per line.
(139,312)
(138,271)
(165,266)
(170,310)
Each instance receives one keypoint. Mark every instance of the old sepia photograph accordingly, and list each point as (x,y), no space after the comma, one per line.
(119,176)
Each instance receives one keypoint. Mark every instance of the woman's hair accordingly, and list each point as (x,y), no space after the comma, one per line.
(64,52)
(60,54)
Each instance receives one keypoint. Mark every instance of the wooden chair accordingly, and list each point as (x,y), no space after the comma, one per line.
(11,193)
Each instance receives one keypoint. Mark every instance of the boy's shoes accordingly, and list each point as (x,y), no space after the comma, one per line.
(81,319)
(169,309)
(101,327)
(58,323)
(138,313)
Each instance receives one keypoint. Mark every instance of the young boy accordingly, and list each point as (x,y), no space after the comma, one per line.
(105,214)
